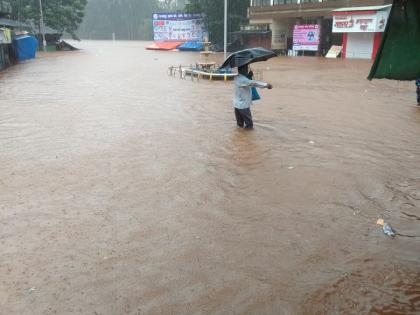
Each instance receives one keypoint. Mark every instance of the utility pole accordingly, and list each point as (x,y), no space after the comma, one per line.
(41,26)
(225,30)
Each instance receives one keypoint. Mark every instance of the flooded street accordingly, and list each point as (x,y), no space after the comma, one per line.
(126,191)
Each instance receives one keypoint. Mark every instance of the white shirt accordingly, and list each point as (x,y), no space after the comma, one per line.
(243,95)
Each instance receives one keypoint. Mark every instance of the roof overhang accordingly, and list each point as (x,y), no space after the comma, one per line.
(360,10)
(13,23)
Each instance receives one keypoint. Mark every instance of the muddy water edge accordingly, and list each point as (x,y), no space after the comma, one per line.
(126,191)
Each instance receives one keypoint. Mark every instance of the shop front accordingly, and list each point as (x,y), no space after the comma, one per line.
(362,29)
(5,46)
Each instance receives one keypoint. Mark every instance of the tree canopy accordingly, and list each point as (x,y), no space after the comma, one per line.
(214,20)
(60,15)
(131,19)
(128,19)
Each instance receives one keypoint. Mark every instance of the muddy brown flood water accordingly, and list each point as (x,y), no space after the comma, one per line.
(126,191)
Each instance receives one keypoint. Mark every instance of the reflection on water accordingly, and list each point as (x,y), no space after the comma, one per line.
(115,177)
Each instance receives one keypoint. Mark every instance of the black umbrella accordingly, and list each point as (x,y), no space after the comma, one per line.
(247,56)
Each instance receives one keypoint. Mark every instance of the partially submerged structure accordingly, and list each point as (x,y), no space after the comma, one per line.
(361,28)
(6,51)
(15,42)
(25,47)
(257,35)
(283,15)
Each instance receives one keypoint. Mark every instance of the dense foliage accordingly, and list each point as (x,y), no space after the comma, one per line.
(60,15)
(214,11)
(128,19)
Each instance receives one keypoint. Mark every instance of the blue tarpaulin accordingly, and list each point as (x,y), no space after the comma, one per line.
(25,47)
(191,46)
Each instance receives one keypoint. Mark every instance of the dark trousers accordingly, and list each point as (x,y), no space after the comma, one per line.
(244,118)
(418,95)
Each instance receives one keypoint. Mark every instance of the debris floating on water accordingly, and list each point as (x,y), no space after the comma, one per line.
(386,228)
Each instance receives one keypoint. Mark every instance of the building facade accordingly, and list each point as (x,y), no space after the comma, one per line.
(283,15)
(361,29)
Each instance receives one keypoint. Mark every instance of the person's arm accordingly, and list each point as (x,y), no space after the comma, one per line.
(254,83)
(258,84)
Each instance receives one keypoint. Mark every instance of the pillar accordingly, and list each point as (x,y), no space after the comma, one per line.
(377,38)
(344,51)
(279,30)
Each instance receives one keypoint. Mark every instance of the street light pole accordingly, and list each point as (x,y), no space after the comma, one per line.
(41,26)
(225,31)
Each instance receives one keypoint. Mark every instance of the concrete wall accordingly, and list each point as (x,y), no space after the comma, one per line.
(280,32)
(280,28)
(307,10)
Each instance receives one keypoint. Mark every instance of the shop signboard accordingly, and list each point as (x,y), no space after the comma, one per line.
(178,27)
(306,37)
(353,22)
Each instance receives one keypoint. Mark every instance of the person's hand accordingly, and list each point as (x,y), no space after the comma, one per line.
(269,86)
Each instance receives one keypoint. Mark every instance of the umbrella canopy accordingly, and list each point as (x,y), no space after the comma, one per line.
(247,56)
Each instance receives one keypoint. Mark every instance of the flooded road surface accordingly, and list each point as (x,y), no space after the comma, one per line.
(126,191)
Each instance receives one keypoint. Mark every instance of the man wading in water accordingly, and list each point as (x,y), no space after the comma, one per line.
(243,97)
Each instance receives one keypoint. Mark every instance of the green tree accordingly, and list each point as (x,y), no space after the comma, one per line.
(60,15)
(64,15)
(4,8)
(128,19)
(172,5)
(214,20)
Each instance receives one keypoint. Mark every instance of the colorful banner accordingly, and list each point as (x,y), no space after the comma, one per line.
(306,37)
(360,23)
(180,27)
